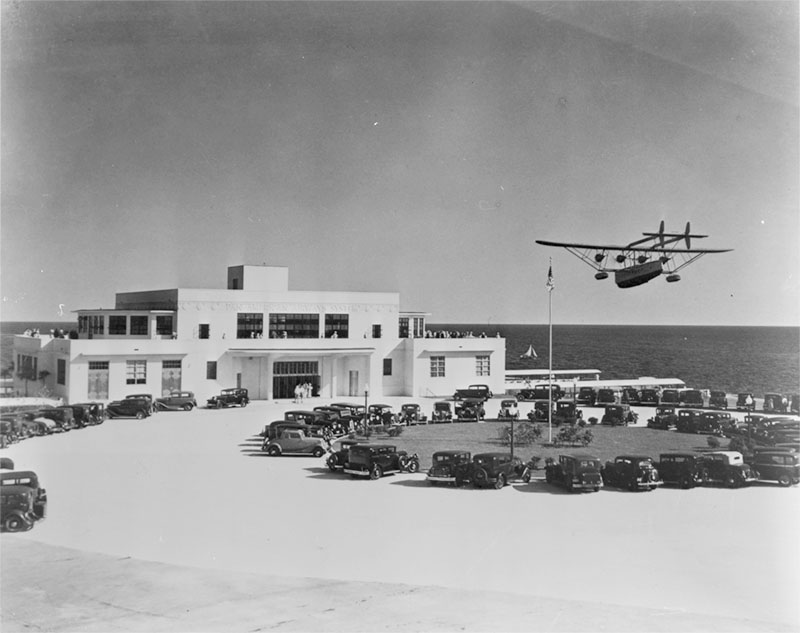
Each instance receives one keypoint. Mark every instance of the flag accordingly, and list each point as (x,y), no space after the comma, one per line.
(550,284)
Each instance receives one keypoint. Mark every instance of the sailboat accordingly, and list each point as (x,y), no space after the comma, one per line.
(531,353)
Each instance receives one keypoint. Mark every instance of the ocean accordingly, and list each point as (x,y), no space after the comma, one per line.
(731,358)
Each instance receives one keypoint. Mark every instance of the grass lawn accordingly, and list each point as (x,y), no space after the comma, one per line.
(484,437)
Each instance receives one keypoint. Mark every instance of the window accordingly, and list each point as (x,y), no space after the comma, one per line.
(337,324)
(164,324)
(294,325)
(437,366)
(61,372)
(249,325)
(211,370)
(295,368)
(482,366)
(136,372)
(92,324)
(376,330)
(205,330)
(27,367)
(139,325)
(403,329)
(171,364)
(98,364)
(387,366)
(419,327)
(117,324)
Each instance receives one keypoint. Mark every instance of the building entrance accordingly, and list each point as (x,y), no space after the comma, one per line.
(287,375)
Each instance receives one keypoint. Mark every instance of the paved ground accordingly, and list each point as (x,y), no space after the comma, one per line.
(176,524)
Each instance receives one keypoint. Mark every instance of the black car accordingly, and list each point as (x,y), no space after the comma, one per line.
(664,419)
(470,409)
(496,470)
(629,395)
(541,392)
(718,400)
(450,467)
(670,397)
(745,402)
(681,469)
(376,460)
(138,408)
(235,396)
(691,398)
(618,415)
(575,472)
(586,396)
(777,465)
(634,472)
(649,397)
(606,396)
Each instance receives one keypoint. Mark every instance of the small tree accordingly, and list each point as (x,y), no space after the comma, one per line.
(713,442)
(524,433)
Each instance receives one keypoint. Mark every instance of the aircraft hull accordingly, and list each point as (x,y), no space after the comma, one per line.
(638,274)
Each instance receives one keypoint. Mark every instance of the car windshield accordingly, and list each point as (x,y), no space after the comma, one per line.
(588,463)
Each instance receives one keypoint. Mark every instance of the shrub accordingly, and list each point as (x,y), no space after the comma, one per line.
(742,444)
(534,462)
(593,420)
(524,433)
(713,442)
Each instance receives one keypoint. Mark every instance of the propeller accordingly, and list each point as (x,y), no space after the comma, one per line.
(688,236)
(661,234)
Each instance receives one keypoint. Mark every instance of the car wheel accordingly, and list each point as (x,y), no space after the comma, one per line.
(632,486)
(731,481)
(412,466)
(187,407)
(318,451)
(686,482)
(14,523)
(244,403)
(596,488)
(274,451)
(140,415)
(526,478)
(376,472)
(501,481)
(332,462)
(785,480)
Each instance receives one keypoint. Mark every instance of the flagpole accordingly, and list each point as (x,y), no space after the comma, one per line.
(550,287)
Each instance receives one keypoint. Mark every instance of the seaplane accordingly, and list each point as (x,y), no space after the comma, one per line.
(642,260)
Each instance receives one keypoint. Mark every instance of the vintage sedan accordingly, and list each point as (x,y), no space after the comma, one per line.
(339,455)
(176,401)
(718,400)
(450,467)
(586,396)
(508,410)
(649,397)
(376,460)
(681,469)
(295,442)
(618,415)
(470,410)
(567,413)
(138,408)
(233,396)
(24,501)
(727,468)
(777,465)
(411,414)
(145,396)
(634,472)
(575,472)
(442,412)
(664,419)
(496,470)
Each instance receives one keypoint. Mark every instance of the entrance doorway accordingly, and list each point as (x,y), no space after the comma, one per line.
(353,391)
(287,375)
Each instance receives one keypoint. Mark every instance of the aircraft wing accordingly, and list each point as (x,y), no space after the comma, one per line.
(631,249)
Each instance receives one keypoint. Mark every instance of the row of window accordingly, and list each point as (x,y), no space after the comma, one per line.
(248,325)
(482,366)
(124,324)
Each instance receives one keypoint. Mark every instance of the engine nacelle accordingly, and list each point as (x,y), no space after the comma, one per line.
(601,275)
(673,278)
(620,258)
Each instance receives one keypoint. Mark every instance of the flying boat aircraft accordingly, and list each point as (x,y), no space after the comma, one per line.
(642,260)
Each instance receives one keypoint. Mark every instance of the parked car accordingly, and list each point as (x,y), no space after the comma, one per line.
(376,460)
(274,429)
(777,465)
(540,392)
(411,414)
(727,468)
(687,421)
(450,467)
(586,396)
(176,401)
(470,409)
(718,400)
(629,395)
(634,472)
(138,408)
(381,414)
(775,403)
(295,442)
(495,469)
(484,389)
(745,402)
(681,469)
(575,472)
(234,396)
(664,419)
(649,397)
(567,413)
(442,412)
(542,411)
(63,417)
(670,397)
(338,458)
(618,415)
(145,396)
(711,423)
(94,412)
(23,501)
(691,398)
(794,403)
(472,394)
(356,411)
(606,396)
(508,410)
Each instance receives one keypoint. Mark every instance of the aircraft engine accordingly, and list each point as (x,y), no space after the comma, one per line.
(673,277)
(642,259)
(601,275)
(620,258)
(599,257)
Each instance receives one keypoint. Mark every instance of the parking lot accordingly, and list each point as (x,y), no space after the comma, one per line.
(190,496)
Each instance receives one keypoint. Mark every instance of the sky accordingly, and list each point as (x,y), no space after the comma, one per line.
(408,147)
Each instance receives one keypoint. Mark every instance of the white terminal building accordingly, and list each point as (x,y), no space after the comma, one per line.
(259,335)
